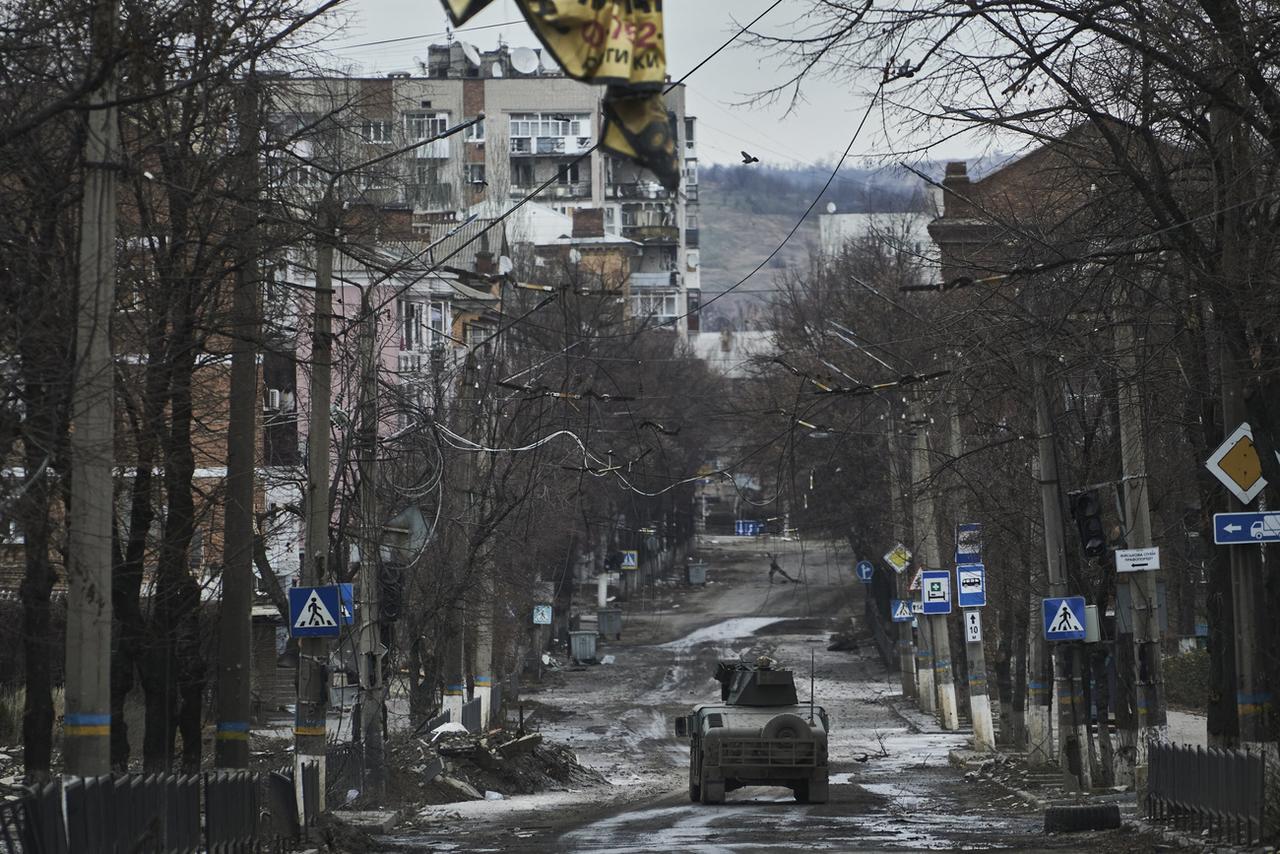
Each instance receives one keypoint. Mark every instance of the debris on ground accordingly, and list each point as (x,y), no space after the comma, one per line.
(461,766)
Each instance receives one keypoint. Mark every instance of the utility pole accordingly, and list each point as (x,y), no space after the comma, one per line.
(87,719)
(984,733)
(372,690)
(1072,724)
(312,701)
(1255,704)
(926,529)
(231,745)
(1148,682)
(906,644)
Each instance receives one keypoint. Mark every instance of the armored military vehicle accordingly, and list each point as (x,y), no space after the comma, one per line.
(757,735)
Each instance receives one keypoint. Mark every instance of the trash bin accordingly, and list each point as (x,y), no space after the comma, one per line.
(582,646)
(609,622)
(697,573)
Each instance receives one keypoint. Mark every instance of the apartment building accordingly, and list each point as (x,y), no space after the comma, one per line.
(537,126)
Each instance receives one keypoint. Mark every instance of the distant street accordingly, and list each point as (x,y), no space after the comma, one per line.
(902,795)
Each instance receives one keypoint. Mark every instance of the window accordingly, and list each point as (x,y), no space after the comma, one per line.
(475,133)
(477,334)
(689,137)
(418,126)
(658,305)
(550,133)
(426,174)
(438,322)
(411,330)
(522,174)
(567,175)
(475,174)
(376,130)
(691,171)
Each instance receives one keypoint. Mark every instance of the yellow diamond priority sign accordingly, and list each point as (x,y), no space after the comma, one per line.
(1236,465)
(898,557)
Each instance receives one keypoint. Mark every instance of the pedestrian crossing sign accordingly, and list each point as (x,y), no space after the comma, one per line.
(1064,618)
(901,611)
(314,612)
(630,559)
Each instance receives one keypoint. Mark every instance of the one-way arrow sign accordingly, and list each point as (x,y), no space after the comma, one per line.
(1236,528)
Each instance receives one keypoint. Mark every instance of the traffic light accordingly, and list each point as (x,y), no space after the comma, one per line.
(1087,512)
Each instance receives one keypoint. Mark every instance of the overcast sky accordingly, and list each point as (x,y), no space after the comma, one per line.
(817,130)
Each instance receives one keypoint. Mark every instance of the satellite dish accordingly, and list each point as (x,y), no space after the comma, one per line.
(524,60)
(497,69)
(575,256)
(505,264)
(470,52)
(831,207)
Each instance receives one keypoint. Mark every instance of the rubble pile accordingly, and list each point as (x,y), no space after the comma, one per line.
(446,767)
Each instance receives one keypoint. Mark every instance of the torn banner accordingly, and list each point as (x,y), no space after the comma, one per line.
(619,44)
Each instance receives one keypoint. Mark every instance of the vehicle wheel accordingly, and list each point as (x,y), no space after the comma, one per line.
(785,726)
(1075,818)
(695,792)
(817,791)
(713,793)
(801,789)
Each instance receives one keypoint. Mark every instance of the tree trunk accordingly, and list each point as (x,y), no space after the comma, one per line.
(37,624)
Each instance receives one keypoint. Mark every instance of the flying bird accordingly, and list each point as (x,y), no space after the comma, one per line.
(748,159)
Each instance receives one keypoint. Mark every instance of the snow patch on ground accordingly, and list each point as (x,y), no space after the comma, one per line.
(729,630)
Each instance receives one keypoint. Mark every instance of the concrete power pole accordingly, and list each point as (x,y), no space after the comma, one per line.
(1149,685)
(1072,722)
(312,701)
(87,720)
(906,644)
(372,689)
(984,733)
(926,530)
(231,745)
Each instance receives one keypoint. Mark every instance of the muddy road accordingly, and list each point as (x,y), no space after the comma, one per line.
(891,785)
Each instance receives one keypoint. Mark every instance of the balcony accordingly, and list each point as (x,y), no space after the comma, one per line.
(642,190)
(691,238)
(549,146)
(652,235)
(691,193)
(438,150)
(653,281)
(577,190)
(431,197)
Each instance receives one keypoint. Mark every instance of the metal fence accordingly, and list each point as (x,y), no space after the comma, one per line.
(343,772)
(471,715)
(145,813)
(1221,791)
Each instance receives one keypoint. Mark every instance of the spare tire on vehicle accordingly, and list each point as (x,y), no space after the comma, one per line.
(1075,818)
(785,726)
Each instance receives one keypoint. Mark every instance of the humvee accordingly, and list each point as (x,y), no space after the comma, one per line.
(757,735)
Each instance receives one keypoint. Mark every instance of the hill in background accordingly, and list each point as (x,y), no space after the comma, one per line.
(747,211)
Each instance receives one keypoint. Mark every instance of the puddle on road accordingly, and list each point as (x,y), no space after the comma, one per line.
(739,628)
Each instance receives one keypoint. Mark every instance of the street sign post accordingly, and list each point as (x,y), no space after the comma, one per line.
(630,559)
(1235,463)
(1236,528)
(1064,618)
(1138,560)
(898,557)
(935,591)
(969,542)
(900,610)
(346,604)
(971,585)
(542,615)
(866,570)
(314,612)
(973,626)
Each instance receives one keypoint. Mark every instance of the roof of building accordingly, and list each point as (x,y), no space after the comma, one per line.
(732,353)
